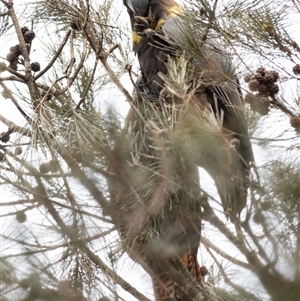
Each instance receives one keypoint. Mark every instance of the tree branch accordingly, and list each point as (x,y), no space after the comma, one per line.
(208,244)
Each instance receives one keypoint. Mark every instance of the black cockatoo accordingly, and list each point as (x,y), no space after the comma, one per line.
(159,32)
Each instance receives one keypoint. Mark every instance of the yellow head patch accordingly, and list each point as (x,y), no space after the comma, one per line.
(172,11)
(136,39)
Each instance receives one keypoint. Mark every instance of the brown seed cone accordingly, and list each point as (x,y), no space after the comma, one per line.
(258,103)
(273,89)
(203,271)
(248,77)
(29,36)
(14,53)
(253,85)
(35,66)
(296,69)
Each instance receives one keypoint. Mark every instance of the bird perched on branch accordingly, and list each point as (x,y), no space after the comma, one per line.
(159,32)
(162,35)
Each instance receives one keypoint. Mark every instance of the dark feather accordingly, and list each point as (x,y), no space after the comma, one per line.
(160,33)
(218,72)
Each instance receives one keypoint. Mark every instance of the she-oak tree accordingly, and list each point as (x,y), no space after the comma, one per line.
(61,234)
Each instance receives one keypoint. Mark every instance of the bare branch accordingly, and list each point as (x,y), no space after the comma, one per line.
(54,58)
(10,95)
(208,244)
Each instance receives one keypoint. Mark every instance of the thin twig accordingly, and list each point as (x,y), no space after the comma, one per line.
(281,106)
(12,71)
(57,53)
(8,4)
(79,66)
(16,128)
(12,78)
(87,88)
(208,244)
(114,276)
(4,14)
(15,102)
(227,280)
